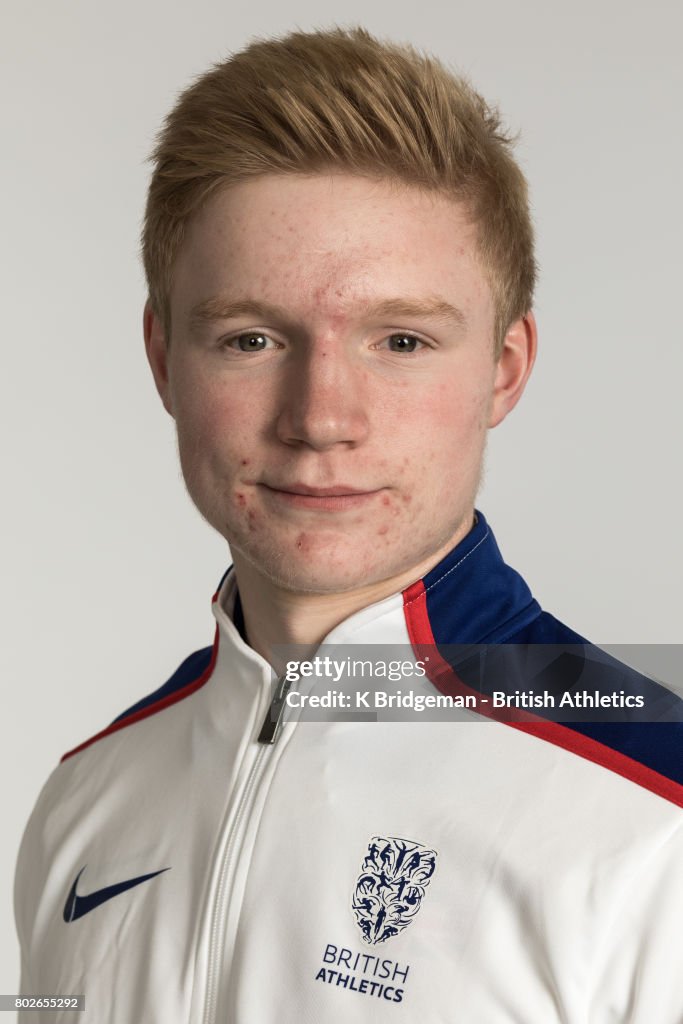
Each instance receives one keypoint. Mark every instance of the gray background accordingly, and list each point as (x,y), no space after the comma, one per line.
(108,570)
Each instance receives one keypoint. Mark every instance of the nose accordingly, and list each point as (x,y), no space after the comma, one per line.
(324,401)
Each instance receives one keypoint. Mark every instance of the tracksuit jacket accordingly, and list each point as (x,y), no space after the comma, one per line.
(216,857)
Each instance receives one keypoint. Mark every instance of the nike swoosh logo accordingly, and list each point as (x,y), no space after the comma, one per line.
(77,906)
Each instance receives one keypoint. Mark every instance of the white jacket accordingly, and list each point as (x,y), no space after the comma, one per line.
(176,869)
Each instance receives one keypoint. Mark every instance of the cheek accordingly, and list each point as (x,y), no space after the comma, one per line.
(213,458)
(217,448)
(450,438)
(212,424)
(460,412)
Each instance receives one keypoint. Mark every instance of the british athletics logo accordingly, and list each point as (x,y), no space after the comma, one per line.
(388,893)
(391,886)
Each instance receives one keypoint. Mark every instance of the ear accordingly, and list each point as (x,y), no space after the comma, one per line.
(157,354)
(514,367)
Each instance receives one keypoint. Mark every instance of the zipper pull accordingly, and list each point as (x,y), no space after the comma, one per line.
(272,723)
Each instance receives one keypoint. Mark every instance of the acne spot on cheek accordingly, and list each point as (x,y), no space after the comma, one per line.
(407,498)
(245,462)
(387,502)
(241,499)
(382,531)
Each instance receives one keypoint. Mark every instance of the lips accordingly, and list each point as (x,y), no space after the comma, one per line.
(338,498)
(320,492)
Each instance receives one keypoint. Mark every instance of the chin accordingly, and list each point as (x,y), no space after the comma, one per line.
(308,565)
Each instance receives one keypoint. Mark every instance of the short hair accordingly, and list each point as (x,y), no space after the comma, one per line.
(341,100)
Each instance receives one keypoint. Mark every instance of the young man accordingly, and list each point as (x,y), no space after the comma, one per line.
(340,268)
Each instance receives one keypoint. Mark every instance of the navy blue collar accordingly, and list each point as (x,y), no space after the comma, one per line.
(473,596)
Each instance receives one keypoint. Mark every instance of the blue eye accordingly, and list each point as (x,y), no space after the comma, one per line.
(403,342)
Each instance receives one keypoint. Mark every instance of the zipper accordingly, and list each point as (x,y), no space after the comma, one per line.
(272,723)
(270,731)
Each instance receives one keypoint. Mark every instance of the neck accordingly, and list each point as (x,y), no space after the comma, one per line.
(274,615)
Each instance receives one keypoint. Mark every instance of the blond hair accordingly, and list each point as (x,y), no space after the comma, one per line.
(341,100)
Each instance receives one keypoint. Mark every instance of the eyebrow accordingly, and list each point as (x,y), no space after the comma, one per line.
(219,308)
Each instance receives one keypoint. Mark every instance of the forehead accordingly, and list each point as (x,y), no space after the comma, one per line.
(327,243)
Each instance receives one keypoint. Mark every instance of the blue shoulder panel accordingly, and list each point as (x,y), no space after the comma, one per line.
(190,669)
(547,657)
